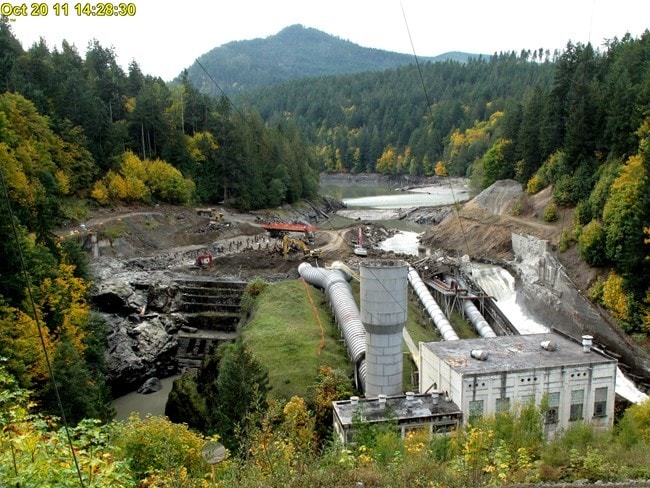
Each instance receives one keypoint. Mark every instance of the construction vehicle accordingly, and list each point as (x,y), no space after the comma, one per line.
(210,213)
(359,250)
(204,260)
(289,243)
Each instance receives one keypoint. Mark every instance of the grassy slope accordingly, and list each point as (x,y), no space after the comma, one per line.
(285,336)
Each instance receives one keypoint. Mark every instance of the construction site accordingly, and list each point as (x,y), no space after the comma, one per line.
(209,255)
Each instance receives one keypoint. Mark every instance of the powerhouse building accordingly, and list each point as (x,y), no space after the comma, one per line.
(485,376)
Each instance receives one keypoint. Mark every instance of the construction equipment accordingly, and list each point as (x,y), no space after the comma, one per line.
(359,250)
(210,213)
(289,243)
(203,260)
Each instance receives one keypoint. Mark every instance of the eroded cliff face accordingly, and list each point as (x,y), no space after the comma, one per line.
(140,310)
(552,298)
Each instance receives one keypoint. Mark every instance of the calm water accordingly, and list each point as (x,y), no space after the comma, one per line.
(372,195)
(151,403)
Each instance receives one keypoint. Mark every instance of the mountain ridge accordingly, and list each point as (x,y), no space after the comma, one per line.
(294,52)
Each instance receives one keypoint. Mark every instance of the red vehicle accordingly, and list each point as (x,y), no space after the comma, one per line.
(204,260)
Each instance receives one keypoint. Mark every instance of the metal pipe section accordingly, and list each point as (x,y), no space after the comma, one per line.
(475,317)
(334,283)
(433,309)
(383,313)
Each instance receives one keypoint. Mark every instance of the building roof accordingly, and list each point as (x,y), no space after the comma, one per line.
(396,408)
(520,352)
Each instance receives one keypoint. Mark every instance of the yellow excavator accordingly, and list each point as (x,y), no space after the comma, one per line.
(289,243)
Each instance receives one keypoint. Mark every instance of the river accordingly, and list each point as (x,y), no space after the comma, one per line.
(151,403)
(384,196)
(382,203)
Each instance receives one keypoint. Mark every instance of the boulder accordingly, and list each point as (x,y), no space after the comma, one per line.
(118,297)
(152,385)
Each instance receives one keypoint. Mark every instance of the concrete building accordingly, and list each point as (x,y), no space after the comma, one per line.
(487,375)
(430,412)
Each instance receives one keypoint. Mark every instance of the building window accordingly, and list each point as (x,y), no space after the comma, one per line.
(503,405)
(475,409)
(553,408)
(577,399)
(527,400)
(600,402)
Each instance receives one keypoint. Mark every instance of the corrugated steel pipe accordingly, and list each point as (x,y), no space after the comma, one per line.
(475,317)
(431,306)
(337,289)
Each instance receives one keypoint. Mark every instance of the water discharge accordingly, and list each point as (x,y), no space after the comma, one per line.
(500,284)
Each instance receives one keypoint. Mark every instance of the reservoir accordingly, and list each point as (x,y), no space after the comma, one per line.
(381,195)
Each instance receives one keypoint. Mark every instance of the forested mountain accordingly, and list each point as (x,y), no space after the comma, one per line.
(294,52)
(353,119)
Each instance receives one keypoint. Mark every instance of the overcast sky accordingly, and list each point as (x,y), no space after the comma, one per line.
(165,36)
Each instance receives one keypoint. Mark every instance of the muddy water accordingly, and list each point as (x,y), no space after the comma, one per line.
(151,403)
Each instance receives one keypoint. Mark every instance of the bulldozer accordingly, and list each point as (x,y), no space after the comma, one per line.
(289,243)
(210,213)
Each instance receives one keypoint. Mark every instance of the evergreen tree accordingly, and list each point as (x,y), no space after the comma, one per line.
(239,392)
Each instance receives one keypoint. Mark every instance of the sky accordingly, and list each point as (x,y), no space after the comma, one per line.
(166,36)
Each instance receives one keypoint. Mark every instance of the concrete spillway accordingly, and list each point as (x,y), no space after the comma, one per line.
(335,284)
(433,309)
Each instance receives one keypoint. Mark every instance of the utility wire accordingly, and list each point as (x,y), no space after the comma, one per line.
(426,96)
(38,324)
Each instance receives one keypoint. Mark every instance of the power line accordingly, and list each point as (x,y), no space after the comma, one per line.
(430,110)
(38,324)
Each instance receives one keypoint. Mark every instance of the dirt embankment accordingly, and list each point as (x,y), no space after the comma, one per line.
(172,238)
(483,227)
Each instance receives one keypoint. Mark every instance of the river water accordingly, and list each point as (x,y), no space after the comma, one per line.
(383,196)
(381,203)
(151,403)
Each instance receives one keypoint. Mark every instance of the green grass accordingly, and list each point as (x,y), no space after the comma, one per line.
(285,337)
